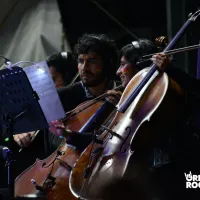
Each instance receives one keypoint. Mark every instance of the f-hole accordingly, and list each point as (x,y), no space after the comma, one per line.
(128,130)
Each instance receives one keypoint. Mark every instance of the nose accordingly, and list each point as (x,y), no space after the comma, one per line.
(83,66)
(119,71)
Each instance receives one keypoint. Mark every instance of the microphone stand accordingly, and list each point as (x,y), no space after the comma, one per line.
(9,156)
(8,152)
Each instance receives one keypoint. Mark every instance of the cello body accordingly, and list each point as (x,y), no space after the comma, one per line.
(136,130)
(50,177)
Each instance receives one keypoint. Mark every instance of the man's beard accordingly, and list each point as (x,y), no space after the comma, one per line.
(96,82)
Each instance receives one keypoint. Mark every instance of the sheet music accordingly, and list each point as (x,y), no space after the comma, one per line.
(41,81)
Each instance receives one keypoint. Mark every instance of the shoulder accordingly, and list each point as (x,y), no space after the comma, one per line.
(71,96)
(186,81)
(70,88)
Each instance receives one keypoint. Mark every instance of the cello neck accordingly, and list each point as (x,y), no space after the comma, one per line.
(100,113)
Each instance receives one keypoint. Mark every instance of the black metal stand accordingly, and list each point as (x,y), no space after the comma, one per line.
(9,156)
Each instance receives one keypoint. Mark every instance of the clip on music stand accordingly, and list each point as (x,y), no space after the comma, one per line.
(19,108)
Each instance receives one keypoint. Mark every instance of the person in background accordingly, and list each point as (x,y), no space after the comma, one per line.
(62,67)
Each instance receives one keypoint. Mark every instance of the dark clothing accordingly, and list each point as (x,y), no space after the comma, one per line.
(183,130)
(189,84)
(71,96)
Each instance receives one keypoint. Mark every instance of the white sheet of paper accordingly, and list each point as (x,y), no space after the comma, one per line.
(41,81)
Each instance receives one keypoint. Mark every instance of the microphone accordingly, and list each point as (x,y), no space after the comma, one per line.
(4,151)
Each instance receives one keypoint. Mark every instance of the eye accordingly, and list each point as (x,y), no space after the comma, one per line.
(92,60)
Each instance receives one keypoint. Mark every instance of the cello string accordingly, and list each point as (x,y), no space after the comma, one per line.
(99,98)
(91,156)
(90,103)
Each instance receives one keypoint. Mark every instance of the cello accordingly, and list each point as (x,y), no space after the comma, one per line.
(49,177)
(149,102)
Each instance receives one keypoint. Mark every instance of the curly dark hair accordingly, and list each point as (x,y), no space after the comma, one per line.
(132,53)
(102,45)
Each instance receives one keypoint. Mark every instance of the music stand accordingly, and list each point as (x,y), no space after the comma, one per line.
(19,108)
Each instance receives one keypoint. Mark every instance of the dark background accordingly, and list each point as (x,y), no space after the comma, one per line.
(145,19)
